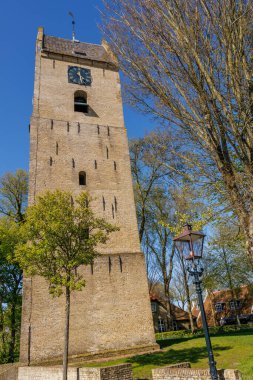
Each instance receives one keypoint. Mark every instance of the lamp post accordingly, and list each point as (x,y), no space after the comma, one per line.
(190,244)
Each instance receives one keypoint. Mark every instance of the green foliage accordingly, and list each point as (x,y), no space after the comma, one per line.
(226,262)
(60,236)
(10,291)
(13,194)
(216,330)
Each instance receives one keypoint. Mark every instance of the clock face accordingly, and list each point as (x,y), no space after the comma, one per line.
(79,75)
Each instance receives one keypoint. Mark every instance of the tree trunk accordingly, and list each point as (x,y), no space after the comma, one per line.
(188,298)
(66,335)
(211,297)
(13,332)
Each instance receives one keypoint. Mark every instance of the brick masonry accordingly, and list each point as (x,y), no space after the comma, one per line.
(113,311)
(120,372)
(172,373)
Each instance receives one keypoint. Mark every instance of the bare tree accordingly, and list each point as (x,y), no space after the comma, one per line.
(148,170)
(190,64)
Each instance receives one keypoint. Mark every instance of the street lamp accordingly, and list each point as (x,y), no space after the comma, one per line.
(190,244)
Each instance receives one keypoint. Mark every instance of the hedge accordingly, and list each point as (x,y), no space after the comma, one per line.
(213,331)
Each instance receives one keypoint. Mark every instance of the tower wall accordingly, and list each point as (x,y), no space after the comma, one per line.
(113,311)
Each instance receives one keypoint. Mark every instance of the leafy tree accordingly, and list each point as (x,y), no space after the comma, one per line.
(13,194)
(226,265)
(189,63)
(13,199)
(10,289)
(61,236)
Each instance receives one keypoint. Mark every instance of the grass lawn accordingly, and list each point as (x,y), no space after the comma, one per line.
(231,350)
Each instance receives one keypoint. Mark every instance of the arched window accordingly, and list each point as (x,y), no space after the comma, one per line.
(80,102)
(82,178)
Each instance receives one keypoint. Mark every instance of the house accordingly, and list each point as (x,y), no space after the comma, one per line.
(180,318)
(226,303)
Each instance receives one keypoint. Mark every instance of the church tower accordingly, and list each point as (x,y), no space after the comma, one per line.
(78,142)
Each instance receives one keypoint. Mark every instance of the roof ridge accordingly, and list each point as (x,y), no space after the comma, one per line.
(78,41)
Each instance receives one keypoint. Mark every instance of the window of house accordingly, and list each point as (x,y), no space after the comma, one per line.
(95,164)
(73,163)
(80,102)
(56,148)
(107,152)
(153,307)
(161,325)
(82,178)
(108,131)
(115,165)
(50,161)
(235,304)
(219,306)
(115,204)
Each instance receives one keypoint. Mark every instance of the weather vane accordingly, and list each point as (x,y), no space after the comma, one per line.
(73,26)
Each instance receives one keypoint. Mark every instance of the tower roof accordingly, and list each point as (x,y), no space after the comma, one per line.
(78,49)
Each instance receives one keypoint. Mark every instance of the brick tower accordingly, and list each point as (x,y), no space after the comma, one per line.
(78,142)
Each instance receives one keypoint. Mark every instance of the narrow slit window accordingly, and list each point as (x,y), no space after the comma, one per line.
(80,102)
(52,124)
(115,165)
(50,161)
(120,264)
(110,264)
(57,148)
(73,163)
(53,64)
(82,178)
(95,164)
(108,131)
(98,129)
(78,127)
(67,126)
(113,212)
(107,152)
(115,204)
(92,268)
(103,203)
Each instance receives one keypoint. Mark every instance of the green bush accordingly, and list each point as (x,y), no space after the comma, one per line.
(213,331)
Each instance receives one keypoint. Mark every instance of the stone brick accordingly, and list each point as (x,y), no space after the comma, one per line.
(170,373)
(113,311)
(119,372)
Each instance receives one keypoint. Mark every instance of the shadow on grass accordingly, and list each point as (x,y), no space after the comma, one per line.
(193,355)
(172,341)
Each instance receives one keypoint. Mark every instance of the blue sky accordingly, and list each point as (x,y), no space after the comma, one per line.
(19,20)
